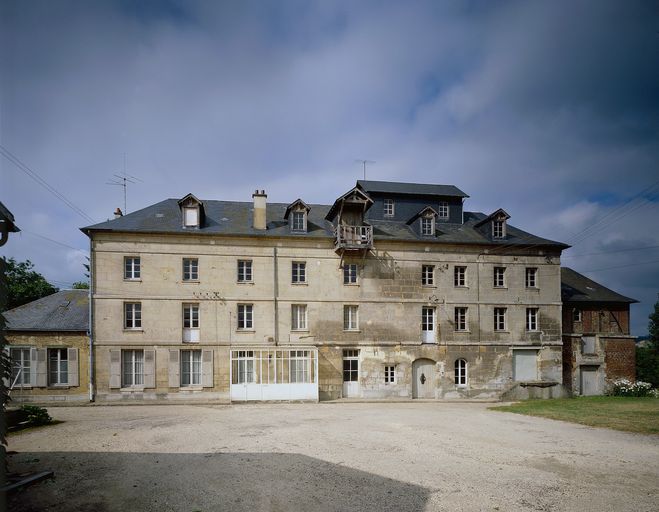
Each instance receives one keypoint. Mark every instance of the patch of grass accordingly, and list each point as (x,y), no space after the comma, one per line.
(621,413)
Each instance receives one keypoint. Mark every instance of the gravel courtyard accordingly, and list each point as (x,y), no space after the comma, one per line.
(335,456)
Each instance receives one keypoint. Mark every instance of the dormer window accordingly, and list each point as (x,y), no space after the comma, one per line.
(191,217)
(299,221)
(442,212)
(428,226)
(388,208)
(499,228)
(297,214)
(191,211)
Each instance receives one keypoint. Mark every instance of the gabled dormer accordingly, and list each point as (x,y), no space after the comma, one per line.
(297,214)
(347,214)
(494,225)
(192,212)
(424,222)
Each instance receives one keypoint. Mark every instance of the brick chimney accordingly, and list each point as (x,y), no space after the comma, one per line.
(259,197)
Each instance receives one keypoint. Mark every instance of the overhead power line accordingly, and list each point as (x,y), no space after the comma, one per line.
(610,252)
(33,174)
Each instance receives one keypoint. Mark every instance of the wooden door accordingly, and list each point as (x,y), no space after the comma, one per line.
(423,375)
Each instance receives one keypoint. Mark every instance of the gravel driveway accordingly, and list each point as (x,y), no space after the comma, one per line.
(345,456)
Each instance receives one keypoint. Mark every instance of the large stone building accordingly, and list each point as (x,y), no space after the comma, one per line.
(392,291)
(597,345)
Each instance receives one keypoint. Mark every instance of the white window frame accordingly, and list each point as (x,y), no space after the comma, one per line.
(191,216)
(460,276)
(133,361)
(428,275)
(531,319)
(427,226)
(195,376)
(191,269)
(299,367)
(299,221)
(428,318)
(500,319)
(245,367)
(350,317)
(498,229)
(577,315)
(55,375)
(245,317)
(298,317)
(132,316)
(350,273)
(245,274)
(390,374)
(461,318)
(21,363)
(461,375)
(442,210)
(531,277)
(298,272)
(132,268)
(351,356)
(499,277)
(388,208)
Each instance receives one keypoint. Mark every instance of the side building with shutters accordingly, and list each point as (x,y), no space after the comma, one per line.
(48,344)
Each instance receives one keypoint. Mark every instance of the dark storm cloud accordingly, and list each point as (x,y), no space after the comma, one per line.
(546,109)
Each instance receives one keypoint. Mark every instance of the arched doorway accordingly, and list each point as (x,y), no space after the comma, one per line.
(423,378)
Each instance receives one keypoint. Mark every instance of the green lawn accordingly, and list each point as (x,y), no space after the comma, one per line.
(621,413)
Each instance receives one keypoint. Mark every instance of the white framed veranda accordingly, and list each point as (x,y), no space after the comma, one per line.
(274,373)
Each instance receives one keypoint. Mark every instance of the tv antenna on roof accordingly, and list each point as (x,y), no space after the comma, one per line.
(364,162)
(122,180)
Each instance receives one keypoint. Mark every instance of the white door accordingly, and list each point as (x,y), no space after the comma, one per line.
(525,365)
(589,381)
(350,373)
(423,375)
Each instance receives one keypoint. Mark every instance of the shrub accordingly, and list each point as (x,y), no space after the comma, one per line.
(36,415)
(623,387)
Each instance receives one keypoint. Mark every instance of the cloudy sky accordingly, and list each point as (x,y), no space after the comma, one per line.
(547,109)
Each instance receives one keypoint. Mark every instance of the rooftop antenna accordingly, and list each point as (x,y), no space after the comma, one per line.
(364,162)
(122,180)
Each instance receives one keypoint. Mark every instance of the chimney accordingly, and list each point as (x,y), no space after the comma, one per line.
(259,197)
(117,213)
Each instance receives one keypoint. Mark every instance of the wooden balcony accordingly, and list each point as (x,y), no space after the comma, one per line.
(354,238)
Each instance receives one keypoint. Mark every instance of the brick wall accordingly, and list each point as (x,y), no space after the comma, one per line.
(620,358)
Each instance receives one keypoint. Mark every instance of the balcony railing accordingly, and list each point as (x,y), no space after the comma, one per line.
(354,237)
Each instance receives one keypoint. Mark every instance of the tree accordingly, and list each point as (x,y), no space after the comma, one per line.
(647,358)
(81,285)
(653,326)
(23,283)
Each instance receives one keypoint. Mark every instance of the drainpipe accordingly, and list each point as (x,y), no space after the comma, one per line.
(91,322)
(276,294)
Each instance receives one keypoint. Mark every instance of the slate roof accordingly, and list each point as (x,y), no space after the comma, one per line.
(576,287)
(417,189)
(66,310)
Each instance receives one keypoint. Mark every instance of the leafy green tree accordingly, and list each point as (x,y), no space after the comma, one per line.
(647,358)
(23,283)
(653,326)
(81,285)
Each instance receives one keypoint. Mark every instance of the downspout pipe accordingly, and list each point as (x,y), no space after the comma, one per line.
(90,329)
(276,294)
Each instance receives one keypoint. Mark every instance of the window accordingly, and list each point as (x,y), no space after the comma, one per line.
(460,276)
(191,217)
(299,221)
(190,368)
(588,345)
(498,229)
(389,374)
(244,271)
(428,324)
(443,210)
(299,317)
(132,315)
(351,365)
(132,363)
(58,366)
(190,322)
(427,275)
(388,207)
(460,372)
(299,272)
(531,319)
(499,319)
(460,319)
(427,226)
(131,267)
(576,315)
(20,367)
(245,316)
(300,366)
(350,273)
(499,277)
(350,318)
(244,367)
(190,269)
(531,277)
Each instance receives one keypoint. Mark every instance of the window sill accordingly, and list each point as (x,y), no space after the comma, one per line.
(350,284)
(300,330)
(245,330)
(352,330)
(462,331)
(191,388)
(532,331)
(533,288)
(132,389)
(465,287)
(128,329)
(244,282)
(132,280)
(58,386)
(501,331)
(302,283)
(190,281)
(499,287)
(429,285)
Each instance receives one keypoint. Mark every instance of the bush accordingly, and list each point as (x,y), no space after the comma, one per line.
(647,365)
(623,387)
(36,415)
